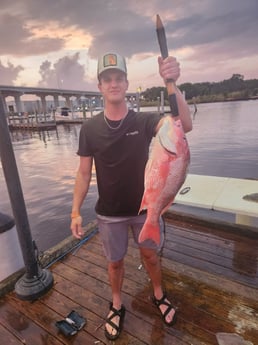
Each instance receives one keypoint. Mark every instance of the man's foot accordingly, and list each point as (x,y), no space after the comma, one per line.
(167,310)
(114,322)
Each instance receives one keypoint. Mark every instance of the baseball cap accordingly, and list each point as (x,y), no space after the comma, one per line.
(111,60)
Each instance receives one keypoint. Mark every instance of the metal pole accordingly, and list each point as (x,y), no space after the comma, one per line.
(162,102)
(138,101)
(31,285)
(158,108)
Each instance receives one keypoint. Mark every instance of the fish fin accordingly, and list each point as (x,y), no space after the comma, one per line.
(167,207)
(164,136)
(141,209)
(150,231)
(143,206)
(168,145)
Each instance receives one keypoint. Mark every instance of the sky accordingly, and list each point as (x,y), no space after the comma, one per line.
(56,43)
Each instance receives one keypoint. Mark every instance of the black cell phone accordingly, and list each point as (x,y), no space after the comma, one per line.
(76,320)
(66,328)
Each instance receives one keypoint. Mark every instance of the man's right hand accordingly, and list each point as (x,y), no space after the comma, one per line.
(76,227)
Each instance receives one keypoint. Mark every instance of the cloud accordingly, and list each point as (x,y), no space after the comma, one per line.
(9,73)
(66,73)
(238,27)
(198,32)
(19,40)
(127,26)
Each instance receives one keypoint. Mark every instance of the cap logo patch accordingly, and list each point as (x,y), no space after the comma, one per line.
(110,60)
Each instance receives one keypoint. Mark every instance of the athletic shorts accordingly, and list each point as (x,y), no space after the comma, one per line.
(114,235)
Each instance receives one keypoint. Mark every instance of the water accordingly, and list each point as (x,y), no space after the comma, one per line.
(224,142)
(47,164)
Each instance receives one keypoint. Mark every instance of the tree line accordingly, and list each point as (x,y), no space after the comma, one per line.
(235,88)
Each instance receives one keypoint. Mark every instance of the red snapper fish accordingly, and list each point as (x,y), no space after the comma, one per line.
(165,173)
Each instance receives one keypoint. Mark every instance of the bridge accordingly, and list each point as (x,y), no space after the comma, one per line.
(18,91)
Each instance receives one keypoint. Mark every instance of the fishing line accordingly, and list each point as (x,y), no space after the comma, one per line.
(74,248)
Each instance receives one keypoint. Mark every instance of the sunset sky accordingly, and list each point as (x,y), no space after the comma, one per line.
(55,43)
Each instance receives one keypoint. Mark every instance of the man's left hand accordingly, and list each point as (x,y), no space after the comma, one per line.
(169,68)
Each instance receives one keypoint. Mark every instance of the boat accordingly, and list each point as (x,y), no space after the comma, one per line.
(66,115)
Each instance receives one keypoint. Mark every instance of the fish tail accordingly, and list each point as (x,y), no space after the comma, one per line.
(150,231)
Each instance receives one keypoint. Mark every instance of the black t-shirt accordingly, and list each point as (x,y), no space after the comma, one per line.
(120,156)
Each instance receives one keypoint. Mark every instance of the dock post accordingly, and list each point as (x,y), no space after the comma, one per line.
(162,102)
(158,105)
(84,111)
(36,281)
(138,102)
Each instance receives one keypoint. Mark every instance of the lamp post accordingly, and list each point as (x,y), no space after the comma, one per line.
(36,281)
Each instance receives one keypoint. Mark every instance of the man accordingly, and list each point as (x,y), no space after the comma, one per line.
(118,141)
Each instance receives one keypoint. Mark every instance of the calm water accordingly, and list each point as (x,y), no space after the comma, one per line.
(224,142)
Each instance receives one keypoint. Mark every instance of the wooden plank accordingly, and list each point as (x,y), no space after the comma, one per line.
(8,337)
(207,302)
(233,259)
(200,233)
(47,318)
(90,296)
(216,303)
(129,288)
(14,316)
(197,262)
(62,303)
(239,256)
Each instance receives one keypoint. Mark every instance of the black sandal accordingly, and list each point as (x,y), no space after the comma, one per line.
(118,328)
(159,302)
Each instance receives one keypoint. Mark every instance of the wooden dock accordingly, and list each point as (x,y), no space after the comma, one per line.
(210,272)
(40,122)
(31,122)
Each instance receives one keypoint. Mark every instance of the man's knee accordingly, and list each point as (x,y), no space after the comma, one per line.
(116,265)
(149,256)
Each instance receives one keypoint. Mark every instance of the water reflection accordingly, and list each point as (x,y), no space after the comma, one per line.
(224,140)
(16,320)
(245,259)
(47,164)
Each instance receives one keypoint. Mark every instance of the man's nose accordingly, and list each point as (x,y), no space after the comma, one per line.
(114,82)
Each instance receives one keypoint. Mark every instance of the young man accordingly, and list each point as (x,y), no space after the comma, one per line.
(118,141)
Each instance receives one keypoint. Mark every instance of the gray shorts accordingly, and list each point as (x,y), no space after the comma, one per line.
(114,235)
